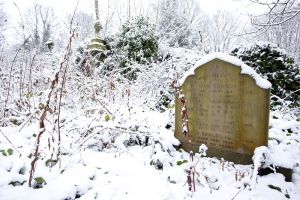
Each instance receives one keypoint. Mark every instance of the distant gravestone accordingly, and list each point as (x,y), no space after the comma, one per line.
(228,108)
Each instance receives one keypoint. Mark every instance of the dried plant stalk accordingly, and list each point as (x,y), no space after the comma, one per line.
(47,108)
(42,128)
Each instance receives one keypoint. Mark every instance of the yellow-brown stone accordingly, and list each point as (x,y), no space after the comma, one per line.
(227,111)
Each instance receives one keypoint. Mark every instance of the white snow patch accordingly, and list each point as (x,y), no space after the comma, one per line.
(245,69)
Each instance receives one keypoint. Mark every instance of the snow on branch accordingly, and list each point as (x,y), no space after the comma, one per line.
(278,12)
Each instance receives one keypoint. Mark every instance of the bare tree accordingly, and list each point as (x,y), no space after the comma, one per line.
(47,17)
(110,13)
(3,21)
(38,24)
(179,23)
(32,23)
(222,30)
(84,23)
(280,24)
(278,12)
(286,35)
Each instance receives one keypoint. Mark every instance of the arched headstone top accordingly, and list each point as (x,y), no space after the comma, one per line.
(245,69)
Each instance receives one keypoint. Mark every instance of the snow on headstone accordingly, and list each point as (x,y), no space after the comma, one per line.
(228,108)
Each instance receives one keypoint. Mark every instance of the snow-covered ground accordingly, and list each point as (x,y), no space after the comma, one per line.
(131,156)
(117,141)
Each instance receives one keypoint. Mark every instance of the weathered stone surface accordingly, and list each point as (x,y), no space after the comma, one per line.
(97,44)
(227,111)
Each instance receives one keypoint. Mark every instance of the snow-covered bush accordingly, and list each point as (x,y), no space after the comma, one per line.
(138,40)
(131,49)
(274,64)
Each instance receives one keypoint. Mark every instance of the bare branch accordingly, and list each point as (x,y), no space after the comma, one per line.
(279,12)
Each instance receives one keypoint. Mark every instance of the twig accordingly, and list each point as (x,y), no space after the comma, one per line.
(66,63)
(9,82)
(10,142)
(72,19)
(238,193)
(28,119)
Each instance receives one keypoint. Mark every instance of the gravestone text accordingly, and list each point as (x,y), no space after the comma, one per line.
(227,111)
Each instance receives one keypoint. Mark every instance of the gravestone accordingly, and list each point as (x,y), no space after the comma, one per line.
(228,108)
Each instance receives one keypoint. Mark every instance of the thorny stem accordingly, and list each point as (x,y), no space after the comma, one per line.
(66,63)
(10,76)
(47,108)
(42,129)
(30,77)
(9,82)
(128,105)
(184,112)
(193,181)
(186,132)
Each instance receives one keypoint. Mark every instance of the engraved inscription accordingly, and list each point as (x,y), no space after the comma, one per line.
(217,113)
(227,111)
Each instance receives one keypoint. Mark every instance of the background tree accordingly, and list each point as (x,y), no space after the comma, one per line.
(280,24)
(278,12)
(222,29)
(3,21)
(39,22)
(84,23)
(286,35)
(179,23)
(274,64)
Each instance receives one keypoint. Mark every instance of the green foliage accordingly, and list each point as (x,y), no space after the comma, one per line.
(107,117)
(138,40)
(10,152)
(133,48)
(135,44)
(274,187)
(275,65)
(22,170)
(29,95)
(39,182)
(41,106)
(152,162)
(51,163)
(164,101)
(278,189)
(179,162)
(15,121)
(3,152)
(16,183)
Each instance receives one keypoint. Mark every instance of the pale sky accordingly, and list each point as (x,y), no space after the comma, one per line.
(64,7)
(214,5)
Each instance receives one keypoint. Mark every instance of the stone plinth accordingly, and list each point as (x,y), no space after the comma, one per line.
(96,44)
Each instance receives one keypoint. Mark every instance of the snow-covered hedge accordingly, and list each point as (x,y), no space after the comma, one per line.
(274,64)
(135,44)
(138,40)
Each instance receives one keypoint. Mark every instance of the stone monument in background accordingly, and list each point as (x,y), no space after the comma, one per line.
(97,44)
(228,108)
